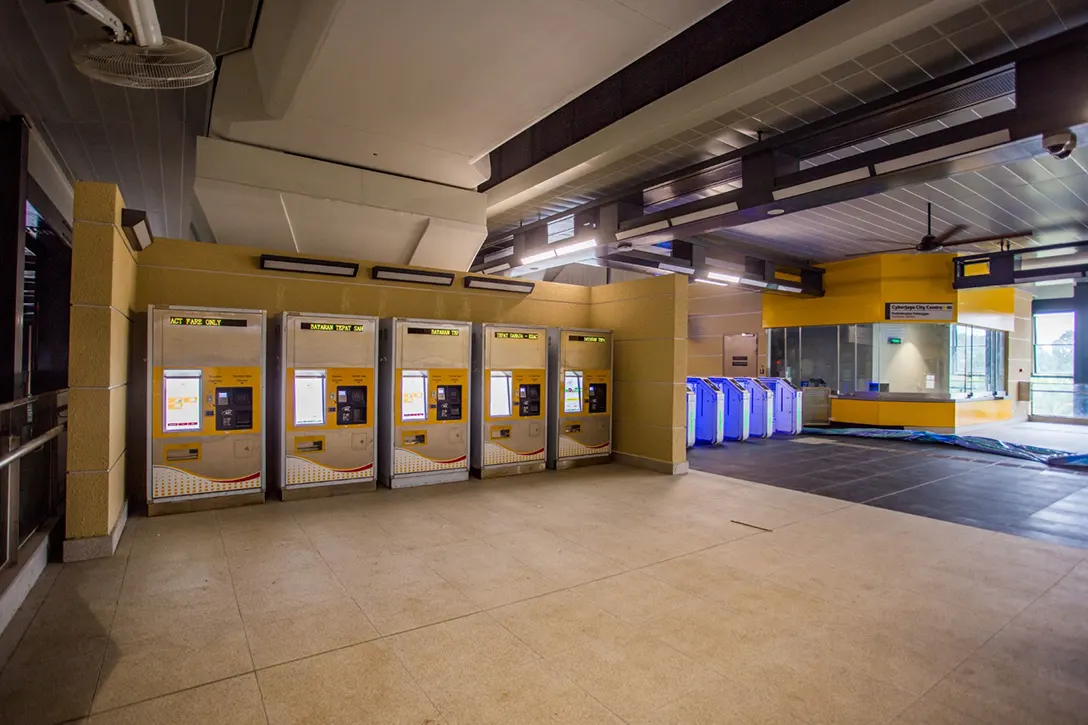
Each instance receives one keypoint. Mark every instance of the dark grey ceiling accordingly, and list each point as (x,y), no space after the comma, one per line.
(144,141)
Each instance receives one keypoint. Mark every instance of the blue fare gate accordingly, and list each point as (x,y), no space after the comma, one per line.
(692,404)
(737,414)
(762,401)
(787,405)
(709,411)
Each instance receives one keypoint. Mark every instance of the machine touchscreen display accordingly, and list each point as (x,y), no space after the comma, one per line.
(309,397)
(502,397)
(182,404)
(572,392)
(413,387)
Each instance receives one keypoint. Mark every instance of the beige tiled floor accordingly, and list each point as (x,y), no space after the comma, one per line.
(604,595)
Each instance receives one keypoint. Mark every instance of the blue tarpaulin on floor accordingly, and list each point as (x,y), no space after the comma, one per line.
(1049,456)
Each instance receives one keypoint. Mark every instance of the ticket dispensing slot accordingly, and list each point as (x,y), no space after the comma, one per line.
(509,375)
(424,394)
(327,367)
(206,377)
(579,393)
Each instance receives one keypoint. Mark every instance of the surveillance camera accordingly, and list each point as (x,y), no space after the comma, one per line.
(1060,145)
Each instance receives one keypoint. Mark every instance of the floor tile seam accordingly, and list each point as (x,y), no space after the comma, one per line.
(245,630)
(109,633)
(407,671)
(531,566)
(161,696)
(904,490)
(33,618)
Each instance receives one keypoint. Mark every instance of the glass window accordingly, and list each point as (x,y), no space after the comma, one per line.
(792,371)
(572,391)
(502,393)
(1053,344)
(910,358)
(778,352)
(819,355)
(181,389)
(413,395)
(847,359)
(863,343)
(309,397)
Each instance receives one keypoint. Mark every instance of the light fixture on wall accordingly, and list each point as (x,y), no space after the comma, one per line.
(309,266)
(416,276)
(137,230)
(504,285)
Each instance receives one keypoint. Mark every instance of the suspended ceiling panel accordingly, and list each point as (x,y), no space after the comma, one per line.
(143,141)
(982,31)
(387,90)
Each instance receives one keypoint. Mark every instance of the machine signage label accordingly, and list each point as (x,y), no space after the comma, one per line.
(332,327)
(516,336)
(587,338)
(207,322)
(441,331)
(937,311)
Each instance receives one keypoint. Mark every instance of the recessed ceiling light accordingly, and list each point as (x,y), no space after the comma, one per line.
(775,212)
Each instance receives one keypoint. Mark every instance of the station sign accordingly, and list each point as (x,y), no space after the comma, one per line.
(927,311)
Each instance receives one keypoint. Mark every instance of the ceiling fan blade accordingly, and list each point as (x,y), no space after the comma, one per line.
(876,241)
(949,233)
(883,251)
(993,238)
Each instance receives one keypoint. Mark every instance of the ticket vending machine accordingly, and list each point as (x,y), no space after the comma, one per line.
(324,439)
(424,389)
(709,411)
(737,403)
(579,397)
(762,420)
(206,371)
(787,406)
(691,405)
(509,410)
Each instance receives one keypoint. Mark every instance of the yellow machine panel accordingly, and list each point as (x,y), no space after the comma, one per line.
(509,401)
(580,397)
(424,387)
(325,432)
(206,407)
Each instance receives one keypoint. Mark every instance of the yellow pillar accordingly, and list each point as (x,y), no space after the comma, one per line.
(103,298)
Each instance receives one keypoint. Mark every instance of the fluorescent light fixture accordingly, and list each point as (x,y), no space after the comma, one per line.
(753,282)
(416,276)
(788,288)
(724,277)
(700,280)
(501,254)
(639,231)
(497,268)
(499,285)
(775,212)
(309,266)
(678,268)
(137,230)
(696,216)
(534,258)
(827,182)
(1052,282)
(576,247)
(945,152)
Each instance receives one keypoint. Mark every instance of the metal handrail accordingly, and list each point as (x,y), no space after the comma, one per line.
(32,445)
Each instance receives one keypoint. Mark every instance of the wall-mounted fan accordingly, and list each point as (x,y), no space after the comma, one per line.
(940,242)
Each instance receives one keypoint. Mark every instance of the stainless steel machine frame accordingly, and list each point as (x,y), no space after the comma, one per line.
(514,441)
(432,446)
(216,415)
(329,453)
(585,437)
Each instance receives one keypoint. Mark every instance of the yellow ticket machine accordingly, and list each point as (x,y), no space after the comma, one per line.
(206,369)
(579,397)
(424,405)
(509,410)
(324,439)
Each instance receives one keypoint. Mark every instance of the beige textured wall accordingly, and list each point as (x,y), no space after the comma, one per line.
(1019,352)
(649,318)
(713,313)
(103,303)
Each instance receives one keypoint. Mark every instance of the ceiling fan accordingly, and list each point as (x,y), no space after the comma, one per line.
(931,243)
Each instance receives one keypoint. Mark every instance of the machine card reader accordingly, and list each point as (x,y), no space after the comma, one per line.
(234,408)
(448,406)
(598,397)
(351,405)
(529,405)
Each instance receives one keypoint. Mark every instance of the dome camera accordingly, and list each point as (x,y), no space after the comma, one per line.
(1060,145)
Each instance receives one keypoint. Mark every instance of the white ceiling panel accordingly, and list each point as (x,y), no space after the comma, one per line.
(245,215)
(340,229)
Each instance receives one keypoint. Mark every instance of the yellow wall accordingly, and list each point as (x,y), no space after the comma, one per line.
(103,304)
(713,313)
(649,318)
(856,291)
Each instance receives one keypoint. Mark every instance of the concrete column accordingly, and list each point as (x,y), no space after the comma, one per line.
(103,299)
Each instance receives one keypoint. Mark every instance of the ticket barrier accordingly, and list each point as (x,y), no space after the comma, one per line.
(205,433)
(787,406)
(709,411)
(762,407)
(423,386)
(692,401)
(737,424)
(323,434)
(509,411)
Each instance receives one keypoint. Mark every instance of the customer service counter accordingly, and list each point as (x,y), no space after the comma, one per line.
(888,410)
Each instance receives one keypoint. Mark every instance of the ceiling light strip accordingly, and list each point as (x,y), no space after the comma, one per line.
(497,268)
(696,216)
(945,152)
(835,180)
(724,277)
(700,280)
(639,231)
(534,258)
(678,268)
(576,247)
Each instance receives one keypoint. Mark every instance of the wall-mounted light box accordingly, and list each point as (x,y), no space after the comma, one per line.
(415,276)
(499,285)
(309,266)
